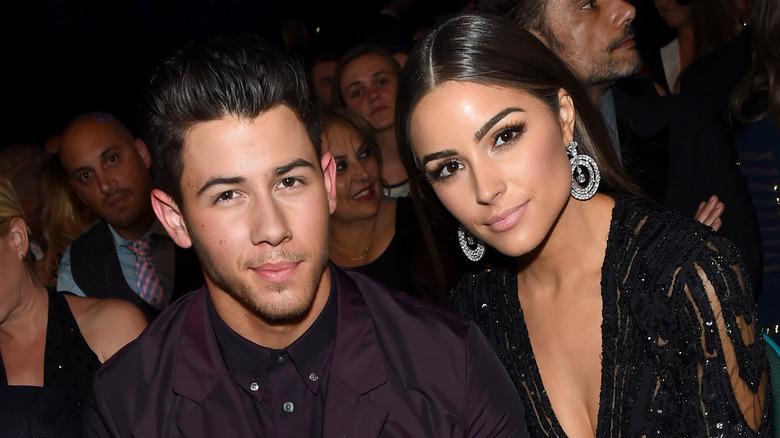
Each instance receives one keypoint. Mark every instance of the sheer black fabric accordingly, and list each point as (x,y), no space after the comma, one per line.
(680,347)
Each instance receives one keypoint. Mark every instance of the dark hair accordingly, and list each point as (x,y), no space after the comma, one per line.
(529,14)
(345,117)
(758,95)
(337,100)
(465,48)
(212,79)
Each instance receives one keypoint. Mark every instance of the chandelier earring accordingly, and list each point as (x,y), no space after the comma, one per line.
(585,174)
(472,247)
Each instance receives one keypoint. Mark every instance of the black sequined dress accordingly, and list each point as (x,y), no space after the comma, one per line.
(69,365)
(659,330)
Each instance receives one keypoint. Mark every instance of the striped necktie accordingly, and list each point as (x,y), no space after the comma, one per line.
(149,286)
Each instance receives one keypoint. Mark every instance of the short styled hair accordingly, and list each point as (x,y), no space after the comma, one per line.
(212,79)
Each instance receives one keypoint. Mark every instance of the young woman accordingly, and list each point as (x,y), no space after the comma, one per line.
(370,233)
(613,316)
(365,81)
(51,343)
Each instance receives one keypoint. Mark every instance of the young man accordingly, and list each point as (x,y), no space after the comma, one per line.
(280,342)
(109,170)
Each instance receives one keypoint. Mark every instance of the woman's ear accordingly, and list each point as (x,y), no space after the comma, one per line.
(19,237)
(566,115)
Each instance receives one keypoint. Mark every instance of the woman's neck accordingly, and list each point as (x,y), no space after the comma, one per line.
(30,313)
(350,241)
(573,250)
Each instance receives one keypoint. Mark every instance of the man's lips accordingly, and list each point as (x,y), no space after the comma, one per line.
(364,194)
(117,199)
(276,272)
(626,43)
(506,219)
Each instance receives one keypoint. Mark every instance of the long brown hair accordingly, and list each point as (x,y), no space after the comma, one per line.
(492,50)
(758,95)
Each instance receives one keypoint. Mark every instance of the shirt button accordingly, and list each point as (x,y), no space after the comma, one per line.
(254,386)
(280,358)
(288,407)
(313,377)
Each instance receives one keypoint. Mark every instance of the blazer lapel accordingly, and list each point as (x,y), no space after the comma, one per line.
(358,372)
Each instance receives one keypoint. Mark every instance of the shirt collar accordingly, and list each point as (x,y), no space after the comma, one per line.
(248,362)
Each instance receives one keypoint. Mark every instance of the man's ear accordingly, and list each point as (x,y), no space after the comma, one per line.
(143,152)
(566,115)
(171,218)
(19,236)
(329,174)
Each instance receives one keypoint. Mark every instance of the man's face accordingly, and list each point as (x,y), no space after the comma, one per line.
(593,37)
(109,171)
(255,208)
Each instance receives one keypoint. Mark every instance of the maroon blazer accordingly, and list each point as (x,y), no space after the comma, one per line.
(400,368)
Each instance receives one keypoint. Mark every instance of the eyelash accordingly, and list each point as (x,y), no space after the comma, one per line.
(516,130)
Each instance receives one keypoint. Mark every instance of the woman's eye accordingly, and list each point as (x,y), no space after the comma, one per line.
(448,169)
(355,93)
(341,165)
(507,136)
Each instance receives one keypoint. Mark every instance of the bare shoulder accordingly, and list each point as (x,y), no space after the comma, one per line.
(106,324)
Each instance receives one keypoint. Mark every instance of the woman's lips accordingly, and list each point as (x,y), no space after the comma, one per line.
(364,194)
(506,219)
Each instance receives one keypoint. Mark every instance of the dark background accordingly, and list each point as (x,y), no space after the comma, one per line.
(60,58)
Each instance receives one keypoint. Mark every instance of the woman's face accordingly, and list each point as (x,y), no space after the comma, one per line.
(674,14)
(496,158)
(368,86)
(358,184)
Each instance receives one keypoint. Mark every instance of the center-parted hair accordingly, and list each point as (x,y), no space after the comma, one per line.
(492,50)
(212,79)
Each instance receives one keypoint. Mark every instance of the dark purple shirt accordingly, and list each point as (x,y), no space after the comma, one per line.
(284,390)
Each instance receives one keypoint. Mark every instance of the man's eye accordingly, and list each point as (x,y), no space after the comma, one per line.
(225,196)
(83,177)
(289,182)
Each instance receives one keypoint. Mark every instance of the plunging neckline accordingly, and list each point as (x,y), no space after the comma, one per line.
(608,325)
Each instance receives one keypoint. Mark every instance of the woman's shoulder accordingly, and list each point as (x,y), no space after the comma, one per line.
(106,324)
(649,229)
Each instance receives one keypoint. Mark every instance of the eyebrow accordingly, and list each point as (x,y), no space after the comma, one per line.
(216,181)
(224,180)
(438,155)
(103,154)
(493,120)
(300,162)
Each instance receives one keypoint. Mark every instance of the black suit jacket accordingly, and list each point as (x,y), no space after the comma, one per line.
(400,368)
(681,154)
(96,269)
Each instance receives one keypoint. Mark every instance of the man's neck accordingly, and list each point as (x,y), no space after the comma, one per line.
(138,229)
(269,334)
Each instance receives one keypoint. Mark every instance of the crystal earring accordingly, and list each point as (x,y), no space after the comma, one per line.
(471,246)
(582,187)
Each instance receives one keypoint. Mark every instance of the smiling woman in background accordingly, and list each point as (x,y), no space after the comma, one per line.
(613,316)
(372,234)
